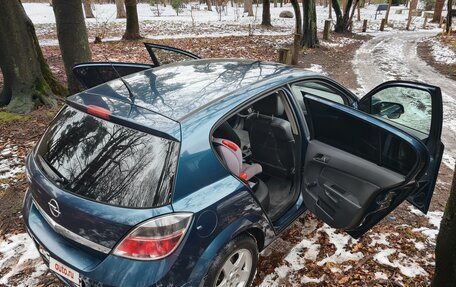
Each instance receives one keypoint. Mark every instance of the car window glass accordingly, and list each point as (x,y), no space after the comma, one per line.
(351,134)
(409,107)
(300,89)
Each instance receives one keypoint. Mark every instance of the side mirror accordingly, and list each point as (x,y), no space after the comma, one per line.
(389,109)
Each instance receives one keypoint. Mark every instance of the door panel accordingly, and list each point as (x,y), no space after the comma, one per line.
(340,188)
(415,108)
(357,168)
(162,55)
(96,73)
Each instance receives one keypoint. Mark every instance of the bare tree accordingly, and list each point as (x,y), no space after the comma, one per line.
(209,5)
(342,19)
(390,2)
(445,251)
(132,29)
(88,9)
(72,35)
(120,8)
(266,21)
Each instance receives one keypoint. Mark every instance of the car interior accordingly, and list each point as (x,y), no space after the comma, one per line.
(260,145)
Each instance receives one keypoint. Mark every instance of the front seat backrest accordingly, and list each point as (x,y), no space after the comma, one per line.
(271,139)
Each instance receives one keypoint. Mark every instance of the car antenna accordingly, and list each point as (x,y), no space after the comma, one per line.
(126,84)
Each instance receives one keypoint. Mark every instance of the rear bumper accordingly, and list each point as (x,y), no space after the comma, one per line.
(96,268)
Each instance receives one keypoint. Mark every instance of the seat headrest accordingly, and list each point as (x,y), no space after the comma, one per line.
(271,105)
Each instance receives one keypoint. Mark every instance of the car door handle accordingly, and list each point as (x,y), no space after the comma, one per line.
(321,158)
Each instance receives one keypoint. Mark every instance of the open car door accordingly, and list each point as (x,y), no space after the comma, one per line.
(95,73)
(357,168)
(162,55)
(415,108)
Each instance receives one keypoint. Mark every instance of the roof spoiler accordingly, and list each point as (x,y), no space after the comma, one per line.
(126,114)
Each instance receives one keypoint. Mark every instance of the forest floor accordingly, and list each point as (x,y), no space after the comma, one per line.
(398,251)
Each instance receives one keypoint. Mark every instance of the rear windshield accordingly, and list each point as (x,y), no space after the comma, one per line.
(106,162)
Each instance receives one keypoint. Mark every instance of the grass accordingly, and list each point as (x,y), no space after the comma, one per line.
(6,117)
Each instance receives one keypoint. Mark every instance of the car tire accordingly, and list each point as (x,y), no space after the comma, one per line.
(236,263)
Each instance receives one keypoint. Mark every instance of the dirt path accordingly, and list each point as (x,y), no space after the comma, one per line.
(394,57)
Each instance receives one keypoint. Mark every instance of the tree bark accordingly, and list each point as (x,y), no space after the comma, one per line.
(445,251)
(248,7)
(438,10)
(72,35)
(132,29)
(449,16)
(120,8)
(266,21)
(88,9)
(209,5)
(28,80)
(309,29)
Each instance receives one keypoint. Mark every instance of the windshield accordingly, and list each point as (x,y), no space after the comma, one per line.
(107,162)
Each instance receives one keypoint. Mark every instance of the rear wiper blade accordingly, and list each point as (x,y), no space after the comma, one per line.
(52,171)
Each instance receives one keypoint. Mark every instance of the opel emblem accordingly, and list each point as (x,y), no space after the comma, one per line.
(54,207)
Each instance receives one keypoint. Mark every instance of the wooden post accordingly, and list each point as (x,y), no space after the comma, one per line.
(326,29)
(350,26)
(441,21)
(364,25)
(283,55)
(382,25)
(295,53)
(425,21)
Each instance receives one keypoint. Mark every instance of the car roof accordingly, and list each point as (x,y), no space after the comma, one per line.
(179,90)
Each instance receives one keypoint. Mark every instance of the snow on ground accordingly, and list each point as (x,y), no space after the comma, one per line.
(194,20)
(385,250)
(10,164)
(18,254)
(443,53)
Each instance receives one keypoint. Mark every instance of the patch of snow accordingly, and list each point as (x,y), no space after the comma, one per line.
(317,69)
(443,53)
(407,266)
(17,253)
(340,241)
(10,164)
(434,217)
(381,275)
(305,279)
(379,239)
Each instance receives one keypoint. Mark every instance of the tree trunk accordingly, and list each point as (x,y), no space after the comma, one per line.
(275,3)
(449,16)
(132,29)
(248,7)
(309,29)
(298,20)
(209,5)
(88,9)
(388,11)
(438,11)
(120,9)
(413,4)
(72,35)
(28,80)
(266,21)
(342,21)
(445,251)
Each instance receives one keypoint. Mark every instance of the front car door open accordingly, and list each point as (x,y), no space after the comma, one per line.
(357,168)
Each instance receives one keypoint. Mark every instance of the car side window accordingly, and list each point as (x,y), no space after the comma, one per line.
(404,107)
(300,89)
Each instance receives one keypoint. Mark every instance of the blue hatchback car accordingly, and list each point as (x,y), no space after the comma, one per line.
(179,174)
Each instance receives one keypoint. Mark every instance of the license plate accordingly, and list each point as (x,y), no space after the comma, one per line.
(64,271)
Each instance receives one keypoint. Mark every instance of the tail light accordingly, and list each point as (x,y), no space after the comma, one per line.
(155,238)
